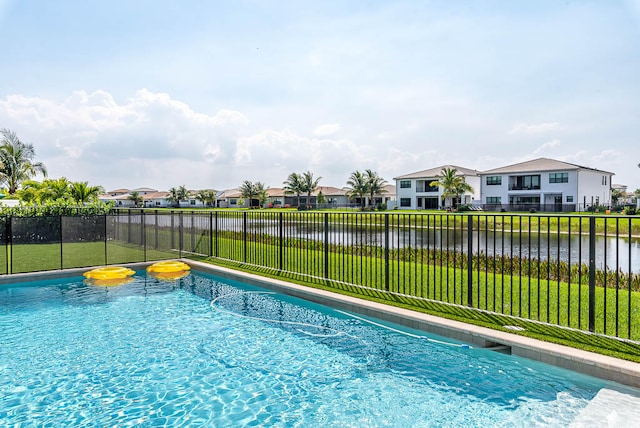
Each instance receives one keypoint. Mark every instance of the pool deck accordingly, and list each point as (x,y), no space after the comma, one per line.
(601,366)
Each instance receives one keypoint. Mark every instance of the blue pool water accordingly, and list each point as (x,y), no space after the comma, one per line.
(204,351)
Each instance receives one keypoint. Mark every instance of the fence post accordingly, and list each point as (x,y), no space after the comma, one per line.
(143,227)
(592,273)
(106,239)
(217,251)
(210,233)
(173,226)
(386,252)
(326,245)
(180,234)
(470,261)
(244,234)
(61,246)
(280,241)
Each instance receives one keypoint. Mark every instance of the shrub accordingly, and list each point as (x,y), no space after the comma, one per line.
(630,211)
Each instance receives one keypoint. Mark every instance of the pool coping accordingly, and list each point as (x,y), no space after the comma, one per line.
(590,363)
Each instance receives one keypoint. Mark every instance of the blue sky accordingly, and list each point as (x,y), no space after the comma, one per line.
(210,93)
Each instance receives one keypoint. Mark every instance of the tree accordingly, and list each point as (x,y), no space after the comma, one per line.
(309,185)
(136,198)
(55,189)
(616,195)
(82,193)
(177,194)
(451,183)
(358,186)
(16,161)
(293,185)
(375,184)
(253,192)
(207,197)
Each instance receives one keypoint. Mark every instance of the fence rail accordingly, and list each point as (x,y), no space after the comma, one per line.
(577,271)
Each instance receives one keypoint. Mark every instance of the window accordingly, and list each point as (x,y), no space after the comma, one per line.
(192,202)
(233,201)
(493,180)
(405,184)
(525,182)
(405,202)
(569,198)
(494,200)
(604,180)
(559,177)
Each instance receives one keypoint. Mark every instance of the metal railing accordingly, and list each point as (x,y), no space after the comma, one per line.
(581,272)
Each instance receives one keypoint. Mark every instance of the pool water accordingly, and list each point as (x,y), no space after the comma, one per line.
(209,351)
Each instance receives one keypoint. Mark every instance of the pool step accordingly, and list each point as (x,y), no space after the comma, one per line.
(609,408)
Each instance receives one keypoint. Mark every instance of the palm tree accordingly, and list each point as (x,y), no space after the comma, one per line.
(16,161)
(358,186)
(253,192)
(293,185)
(375,184)
(136,198)
(55,189)
(451,183)
(309,185)
(206,197)
(177,194)
(81,192)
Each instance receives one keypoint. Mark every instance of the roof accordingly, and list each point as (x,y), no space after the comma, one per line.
(434,172)
(144,189)
(156,195)
(117,191)
(540,164)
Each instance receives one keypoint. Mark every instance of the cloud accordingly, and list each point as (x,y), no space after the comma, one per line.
(524,128)
(543,149)
(327,129)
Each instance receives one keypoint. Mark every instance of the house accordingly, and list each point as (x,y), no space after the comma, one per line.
(545,185)
(416,191)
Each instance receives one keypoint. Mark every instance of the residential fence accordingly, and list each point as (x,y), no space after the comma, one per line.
(581,272)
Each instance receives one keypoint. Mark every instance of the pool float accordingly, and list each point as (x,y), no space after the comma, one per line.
(168,266)
(168,270)
(110,276)
(109,272)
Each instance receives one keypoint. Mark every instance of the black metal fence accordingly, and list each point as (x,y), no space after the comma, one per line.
(581,272)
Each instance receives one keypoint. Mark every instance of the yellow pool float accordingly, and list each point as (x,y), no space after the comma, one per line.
(109,272)
(170,266)
(168,270)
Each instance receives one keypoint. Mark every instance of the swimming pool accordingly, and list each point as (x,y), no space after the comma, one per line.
(210,351)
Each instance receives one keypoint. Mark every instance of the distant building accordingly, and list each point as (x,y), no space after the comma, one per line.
(545,185)
(415,190)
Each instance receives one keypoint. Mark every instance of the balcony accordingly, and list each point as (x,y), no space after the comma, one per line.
(524,187)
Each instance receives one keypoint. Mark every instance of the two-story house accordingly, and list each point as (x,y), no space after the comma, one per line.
(416,191)
(544,185)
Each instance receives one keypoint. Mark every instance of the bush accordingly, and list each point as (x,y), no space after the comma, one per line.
(463,208)
(630,211)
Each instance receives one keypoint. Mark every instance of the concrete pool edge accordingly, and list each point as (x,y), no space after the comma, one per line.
(590,363)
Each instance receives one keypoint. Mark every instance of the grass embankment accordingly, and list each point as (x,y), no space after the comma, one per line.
(562,223)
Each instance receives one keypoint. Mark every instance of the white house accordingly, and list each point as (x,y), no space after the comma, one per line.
(415,191)
(545,185)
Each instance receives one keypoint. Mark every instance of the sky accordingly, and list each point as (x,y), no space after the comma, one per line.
(207,94)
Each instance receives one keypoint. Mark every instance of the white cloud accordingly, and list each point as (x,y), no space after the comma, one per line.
(524,128)
(546,147)
(327,129)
